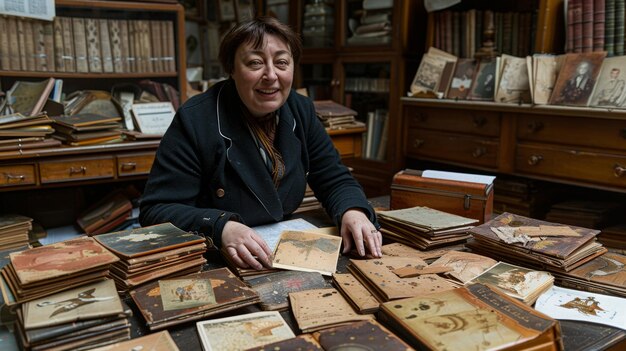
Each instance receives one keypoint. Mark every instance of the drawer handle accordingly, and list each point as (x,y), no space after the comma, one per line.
(479,151)
(15,178)
(534,159)
(417,143)
(619,170)
(479,122)
(80,170)
(534,126)
(129,166)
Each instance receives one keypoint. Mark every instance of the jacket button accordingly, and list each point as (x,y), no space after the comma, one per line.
(220,192)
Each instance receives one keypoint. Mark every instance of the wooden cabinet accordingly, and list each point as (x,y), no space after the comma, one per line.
(582,146)
(167,14)
(367,74)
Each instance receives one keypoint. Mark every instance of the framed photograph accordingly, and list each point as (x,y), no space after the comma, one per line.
(226,10)
(576,78)
(484,81)
(154,117)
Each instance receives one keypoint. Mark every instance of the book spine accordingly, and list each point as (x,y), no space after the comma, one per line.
(577,10)
(116,45)
(80,44)
(41,64)
(171,46)
(515,34)
(124,43)
(587,24)
(5,63)
(69,55)
(507,32)
(105,45)
(29,45)
(21,43)
(157,49)
(598,25)
(619,28)
(609,27)
(146,46)
(93,45)
(448,32)
(59,63)
(48,38)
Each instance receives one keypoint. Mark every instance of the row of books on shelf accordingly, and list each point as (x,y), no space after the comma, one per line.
(441,298)
(574,79)
(461,32)
(592,25)
(87,45)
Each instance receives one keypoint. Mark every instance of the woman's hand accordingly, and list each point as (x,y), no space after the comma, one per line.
(357,230)
(245,247)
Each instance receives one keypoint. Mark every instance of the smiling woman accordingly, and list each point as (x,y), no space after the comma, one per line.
(241,154)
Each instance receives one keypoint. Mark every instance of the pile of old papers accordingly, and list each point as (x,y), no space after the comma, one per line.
(153,252)
(196,296)
(20,132)
(48,269)
(87,129)
(605,274)
(535,243)
(78,319)
(424,227)
(14,231)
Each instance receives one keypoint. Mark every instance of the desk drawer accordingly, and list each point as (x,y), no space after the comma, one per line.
(452,147)
(590,132)
(134,164)
(452,120)
(17,175)
(567,163)
(77,169)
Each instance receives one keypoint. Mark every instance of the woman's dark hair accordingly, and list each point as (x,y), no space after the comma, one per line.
(254,31)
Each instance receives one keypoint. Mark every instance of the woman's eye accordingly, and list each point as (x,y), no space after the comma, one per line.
(255,63)
(282,63)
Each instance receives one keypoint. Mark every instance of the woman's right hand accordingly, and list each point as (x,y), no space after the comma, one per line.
(245,247)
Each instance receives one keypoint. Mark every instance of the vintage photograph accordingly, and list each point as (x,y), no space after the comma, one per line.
(577,78)
(307,251)
(186,293)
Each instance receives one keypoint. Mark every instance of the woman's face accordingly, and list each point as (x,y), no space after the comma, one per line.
(263,76)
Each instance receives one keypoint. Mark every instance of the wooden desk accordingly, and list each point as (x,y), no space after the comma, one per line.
(348,141)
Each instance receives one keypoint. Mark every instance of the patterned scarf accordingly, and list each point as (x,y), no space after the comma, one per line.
(263,130)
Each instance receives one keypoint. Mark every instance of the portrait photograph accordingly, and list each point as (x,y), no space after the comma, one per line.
(609,91)
(483,84)
(577,78)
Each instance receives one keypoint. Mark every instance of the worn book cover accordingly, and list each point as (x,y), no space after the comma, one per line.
(228,290)
(329,108)
(604,274)
(356,293)
(104,211)
(307,252)
(518,282)
(322,308)
(379,277)
(302,342)
(85,119)
(427,219)
(159,341)
(584,336)
(545,71)
(86,302)
(513,83)
(465,265)
(29,97)
(429,72)
(461,79)
(147,240)
(475,317)
(64,258)
(243,331)
(364,335)
(274,288)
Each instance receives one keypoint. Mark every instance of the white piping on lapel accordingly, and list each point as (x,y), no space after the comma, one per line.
(219,126)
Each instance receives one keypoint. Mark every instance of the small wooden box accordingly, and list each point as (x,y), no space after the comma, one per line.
(467,199)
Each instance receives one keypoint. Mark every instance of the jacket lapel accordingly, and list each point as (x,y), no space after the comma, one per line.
(242,152)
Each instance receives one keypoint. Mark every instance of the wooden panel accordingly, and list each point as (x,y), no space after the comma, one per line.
(68,170)
(452,147)
(348,145)
(571,164)
(595,133)
(484,123)
(134,164)
(17,175)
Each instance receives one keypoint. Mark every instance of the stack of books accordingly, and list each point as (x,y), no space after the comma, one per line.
(155,341)
(81,318)
(535,243)
(87,129)
(614,238)
(424,227)
(373,26)
(196,296)
(319,24)
(589,214)
(525,197)
(336,116)
(104,216)
(34,273)
(473,317)
(153,252)
(18,131)
(14,231)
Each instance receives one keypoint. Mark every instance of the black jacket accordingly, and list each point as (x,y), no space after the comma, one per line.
(208,170)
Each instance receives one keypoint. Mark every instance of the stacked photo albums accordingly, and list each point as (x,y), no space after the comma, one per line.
(573,79)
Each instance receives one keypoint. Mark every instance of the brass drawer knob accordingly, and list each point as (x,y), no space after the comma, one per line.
(79,170)
(479,121)
(417,143)
(534,127)
(15,177)
(534,159)
(479,151)
(129,166)
(619,170)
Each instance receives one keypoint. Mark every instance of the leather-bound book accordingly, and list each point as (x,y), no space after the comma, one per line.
(474,317)
(103,212)
(364,335)
(274,288)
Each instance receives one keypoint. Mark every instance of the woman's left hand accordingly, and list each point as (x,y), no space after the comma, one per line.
(357,230)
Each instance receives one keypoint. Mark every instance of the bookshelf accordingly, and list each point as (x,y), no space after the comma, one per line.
(368,73)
